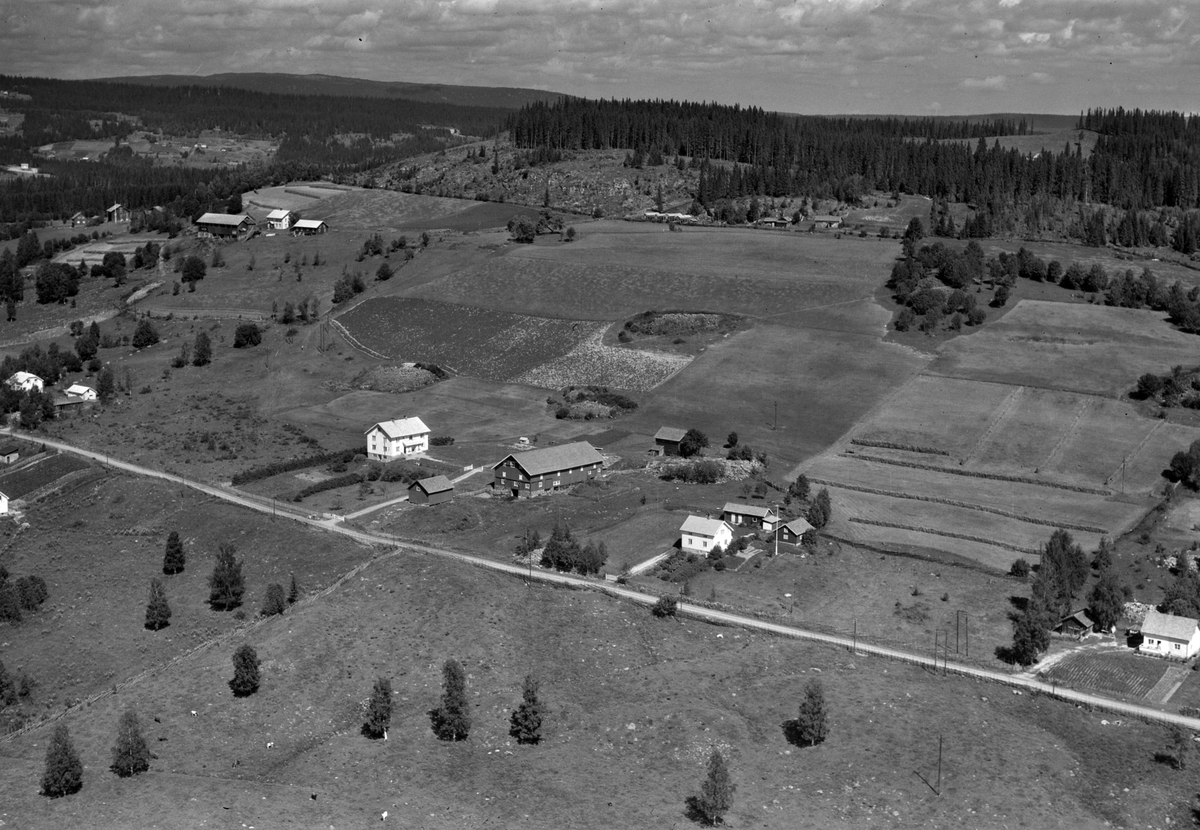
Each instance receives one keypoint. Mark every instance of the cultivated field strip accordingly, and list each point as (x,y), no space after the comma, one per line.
(1016,479)
(1029,433)
(1055,454)
(1127,675)
(1131,458)
(998,417)
(949,534)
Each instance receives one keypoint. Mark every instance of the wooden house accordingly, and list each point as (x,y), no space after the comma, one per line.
(226,225)
(666,440)
(434,490)
(792,532)
(529,473)
(750,515)
(309,227)
(1076,626)
(117,213)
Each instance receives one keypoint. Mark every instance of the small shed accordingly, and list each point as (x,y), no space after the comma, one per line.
(10,454)
(827,221)
(666,440)
(67,403)
(433,490)
(1077,625)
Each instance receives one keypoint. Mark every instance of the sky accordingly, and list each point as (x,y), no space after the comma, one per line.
(810,56)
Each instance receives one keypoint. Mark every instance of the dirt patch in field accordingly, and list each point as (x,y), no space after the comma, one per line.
(402,378)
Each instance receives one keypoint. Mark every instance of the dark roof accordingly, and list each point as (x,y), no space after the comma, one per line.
(1080,617)
(9,449)
(232,220)
(553,459)
(670,434)
(433,484)
(796,526)
(761,512)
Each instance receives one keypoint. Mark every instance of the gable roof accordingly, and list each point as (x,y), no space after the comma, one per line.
(433,484)
(9,449)
(308,223)
(279,214)
(798,526)
(670,434)
(1168,626)
(761,512)
(231,219)
(552,459)
(22,377)
(116,206)
(1081,617)
(700,526)
(400,427)
(79,389)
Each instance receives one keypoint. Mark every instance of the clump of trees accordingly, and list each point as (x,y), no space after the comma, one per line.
(1185,466)
(247,335)
(702,471)
(21,596)
(665,606)
(564,553)
(1060,578)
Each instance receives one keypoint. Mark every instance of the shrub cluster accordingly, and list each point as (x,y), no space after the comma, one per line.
(441,441)
(329,484)
(564,553)
(704,471)
(268,470)
(25,594)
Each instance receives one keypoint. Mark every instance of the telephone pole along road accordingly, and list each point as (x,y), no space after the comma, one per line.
(696,611)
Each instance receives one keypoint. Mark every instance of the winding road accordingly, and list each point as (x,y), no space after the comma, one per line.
(334,524)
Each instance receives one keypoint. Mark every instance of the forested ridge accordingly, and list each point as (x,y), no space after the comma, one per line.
(1142,160)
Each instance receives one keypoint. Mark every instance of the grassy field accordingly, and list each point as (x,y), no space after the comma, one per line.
(1081,348)
(635,704)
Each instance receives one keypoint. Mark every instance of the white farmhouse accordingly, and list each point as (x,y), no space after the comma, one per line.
(388,440)
(701,535)
(1166,635)
(79,390)
(25,382)
(280,220)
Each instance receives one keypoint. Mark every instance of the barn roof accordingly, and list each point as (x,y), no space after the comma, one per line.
(231,219)
(1168,626)
(673,434)
(553,459)
(400,427)
(760,512)
(433,484)
(700,526)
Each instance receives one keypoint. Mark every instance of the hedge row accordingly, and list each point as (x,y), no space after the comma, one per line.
(330,484)
(954,503)
(888,445)
(947,533)
(268,470)
(895,462)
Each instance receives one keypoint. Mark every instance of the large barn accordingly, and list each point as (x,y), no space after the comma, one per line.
(235,225)
(528,473)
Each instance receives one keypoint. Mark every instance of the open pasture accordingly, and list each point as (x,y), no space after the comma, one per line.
(389,210)
(1081,348)
(635,705)
(613,273)
(813,385)
(877,214)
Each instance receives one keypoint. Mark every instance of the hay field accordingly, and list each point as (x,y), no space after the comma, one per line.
(635,705)
(1081,348)
(1030,428)
(610,273)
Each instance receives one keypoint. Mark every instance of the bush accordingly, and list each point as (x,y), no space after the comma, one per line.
(1019,568)
(666,606)
(705,471)
(247,335)
(441,441)
(145,334)
(268,470)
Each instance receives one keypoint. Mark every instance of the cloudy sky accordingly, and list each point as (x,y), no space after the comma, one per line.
(813,56)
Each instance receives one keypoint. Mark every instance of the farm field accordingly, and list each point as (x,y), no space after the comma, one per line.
(1081,348)
(1120,674)
(38,472)
(98,551)
(611,272)
(635,705)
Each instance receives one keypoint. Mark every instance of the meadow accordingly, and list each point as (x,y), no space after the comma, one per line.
(635,704)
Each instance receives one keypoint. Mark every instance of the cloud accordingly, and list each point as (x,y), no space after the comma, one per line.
(989,83)
(789,54)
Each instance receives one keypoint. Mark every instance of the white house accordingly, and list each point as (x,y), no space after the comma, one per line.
(280,220)
(1166,635)
(388,440)
(78,390)
(25,382)
(701,535)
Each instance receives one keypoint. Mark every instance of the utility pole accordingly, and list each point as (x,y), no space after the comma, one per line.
(776,426)
(939,783)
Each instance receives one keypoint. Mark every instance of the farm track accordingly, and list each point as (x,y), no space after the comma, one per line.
(1008,514)
(692,609)
(349,338)
(1002,413)
(1056,453)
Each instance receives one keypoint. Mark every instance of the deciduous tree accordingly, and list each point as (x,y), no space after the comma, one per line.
(202,350)
(715,798)
(692,442)
(379,709)
(246,335)
(274,602)
(158,612)
(130,754)
(226,585)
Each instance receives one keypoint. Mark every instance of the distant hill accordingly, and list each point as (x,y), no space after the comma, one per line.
(282,83)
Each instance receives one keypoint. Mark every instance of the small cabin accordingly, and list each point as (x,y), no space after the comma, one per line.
(433,490)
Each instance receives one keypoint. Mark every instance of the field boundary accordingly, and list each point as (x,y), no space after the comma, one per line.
(1002,413)
(891,445)
(1057,452)
(916,465)
(1134,452)
(947,533)
(350,338)
(963,504)
(222,313)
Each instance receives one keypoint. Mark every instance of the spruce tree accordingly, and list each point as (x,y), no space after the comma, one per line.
(130,754)
(274,602)
(174,559)
(293,592)
(716,793)
(158,612)
(226,585)
(64,770)
(527,719)
(245,671)
(8,688)
(812,722)
(379,710)
(202,350)
(452,720)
